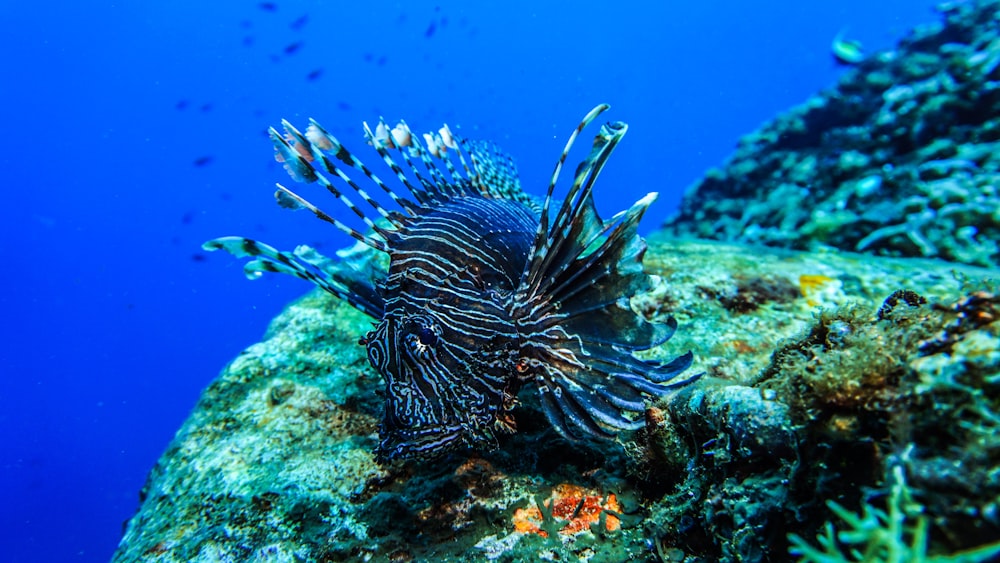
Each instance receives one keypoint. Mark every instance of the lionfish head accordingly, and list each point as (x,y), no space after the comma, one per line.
(438,397)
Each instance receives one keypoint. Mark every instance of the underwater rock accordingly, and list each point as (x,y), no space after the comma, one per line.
(815,388)
(901,158)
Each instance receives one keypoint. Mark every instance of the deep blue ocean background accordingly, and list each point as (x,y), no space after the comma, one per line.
(134,131)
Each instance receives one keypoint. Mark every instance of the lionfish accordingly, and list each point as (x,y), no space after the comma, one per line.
(486,289)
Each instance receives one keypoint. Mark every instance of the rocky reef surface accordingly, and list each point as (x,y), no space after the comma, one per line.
(900,158)
(871,383)
(849,411)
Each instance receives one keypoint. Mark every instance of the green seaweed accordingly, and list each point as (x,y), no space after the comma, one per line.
(898,534)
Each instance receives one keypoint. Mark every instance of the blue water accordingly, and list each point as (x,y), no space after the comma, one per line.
(133,131)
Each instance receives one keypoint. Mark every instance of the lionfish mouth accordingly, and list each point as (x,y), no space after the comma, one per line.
(488,288)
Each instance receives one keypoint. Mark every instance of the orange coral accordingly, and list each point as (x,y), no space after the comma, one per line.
(811,284)
(576,506)
(741,346)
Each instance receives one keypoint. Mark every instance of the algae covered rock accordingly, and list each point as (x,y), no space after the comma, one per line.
(815,388)
(901,158)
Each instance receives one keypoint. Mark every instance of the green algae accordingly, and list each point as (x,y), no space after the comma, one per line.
(898,534)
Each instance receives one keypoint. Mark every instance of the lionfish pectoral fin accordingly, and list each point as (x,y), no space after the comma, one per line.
(589,391)
(336,278)
(574,310)
(584,331)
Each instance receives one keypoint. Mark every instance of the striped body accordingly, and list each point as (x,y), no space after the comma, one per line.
(447,345)
(486,291)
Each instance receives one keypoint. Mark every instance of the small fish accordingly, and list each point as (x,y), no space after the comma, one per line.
(291,48)
(487,289)
(314,74)
(268,6)
(299,22)
(846,51)
(429,32)
(203,161)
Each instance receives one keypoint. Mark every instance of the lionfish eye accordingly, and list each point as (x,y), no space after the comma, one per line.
(427,336)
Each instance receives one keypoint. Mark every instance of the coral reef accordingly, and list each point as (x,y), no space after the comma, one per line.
(850,407)
(901,158)
(816,386)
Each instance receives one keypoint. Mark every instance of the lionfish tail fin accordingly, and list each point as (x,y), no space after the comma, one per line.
(335,277)
(580,330)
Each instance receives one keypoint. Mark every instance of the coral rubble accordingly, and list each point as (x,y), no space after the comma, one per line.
(816,386)
(901,158)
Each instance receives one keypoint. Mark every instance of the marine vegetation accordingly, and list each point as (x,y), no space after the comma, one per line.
(898,534)
(485,291)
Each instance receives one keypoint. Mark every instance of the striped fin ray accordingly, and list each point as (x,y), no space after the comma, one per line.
(487,172)
(420,194)
(436,184)
(439,182)
(471,172)
(304,145)
(300,168)
(576,225)
(290,200)
(305,263)
(435,188)
(584,293)
(587,389)
(578,329)
(540,245)
(443,149)
(344,155)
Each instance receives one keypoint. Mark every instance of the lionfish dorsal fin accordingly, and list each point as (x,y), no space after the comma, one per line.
(496,173)
(540,246)
(300,155)
(428,172)
(582,331)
